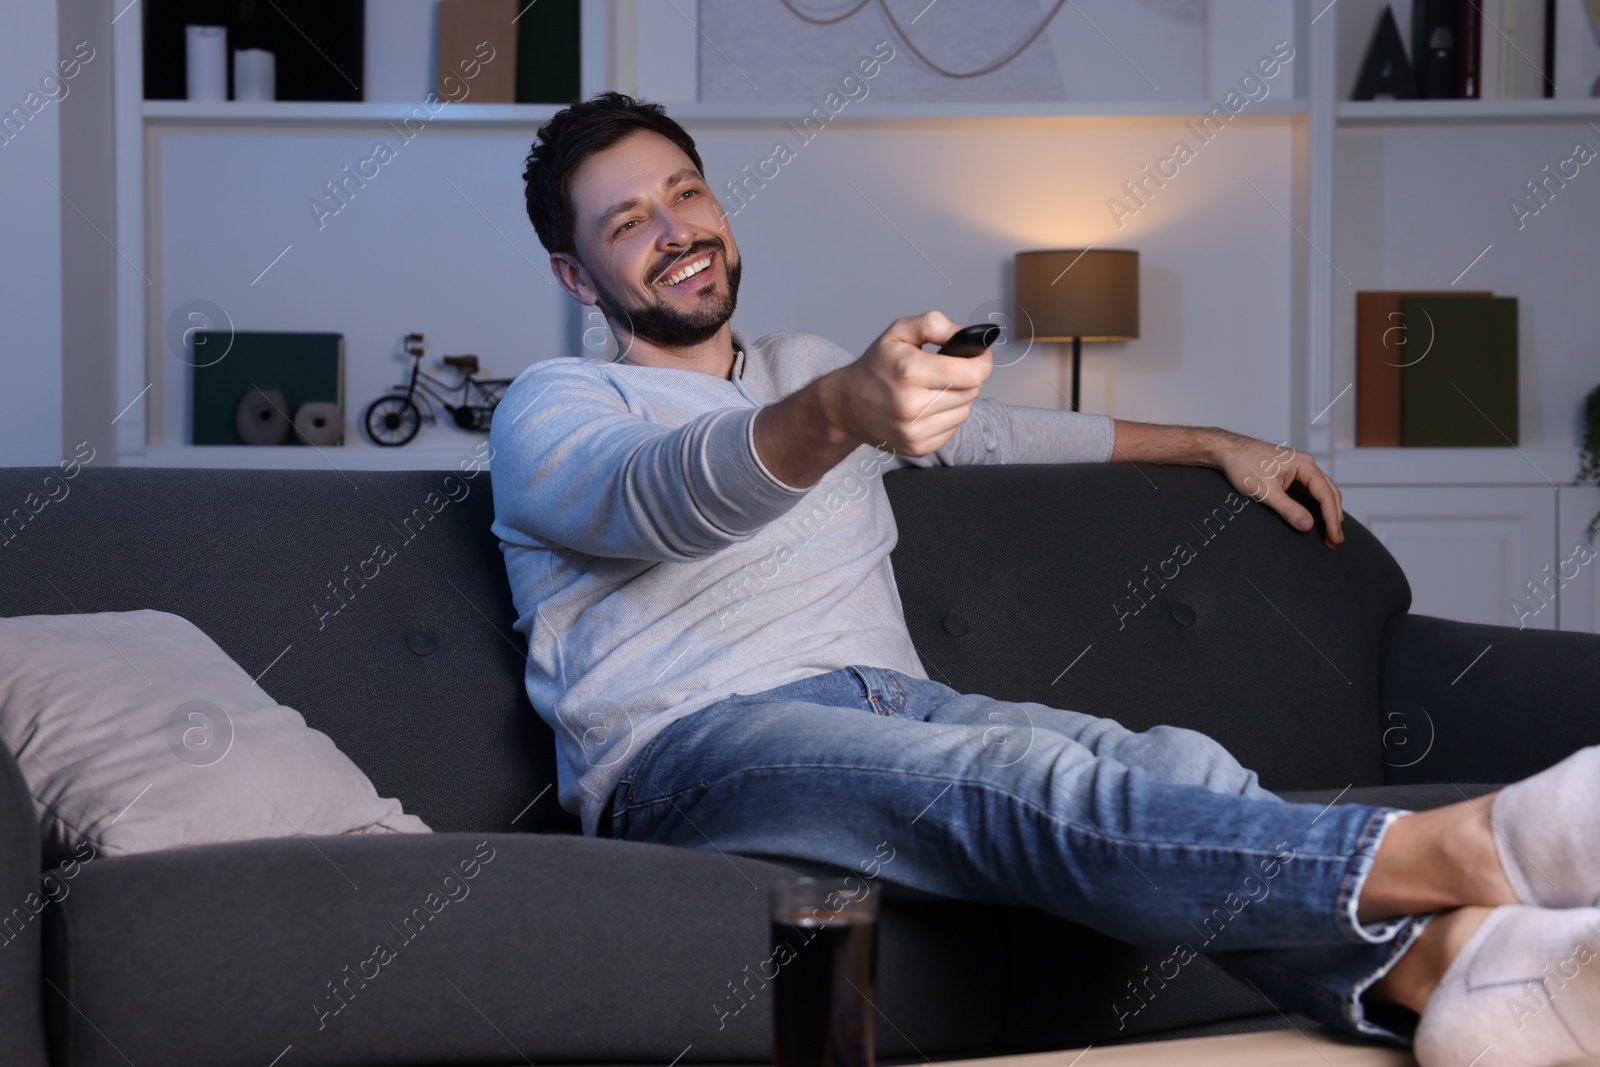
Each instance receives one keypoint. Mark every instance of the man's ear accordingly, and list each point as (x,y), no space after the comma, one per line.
(571,276)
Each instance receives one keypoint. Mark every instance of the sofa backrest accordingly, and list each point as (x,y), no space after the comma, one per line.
(1071,586)
(1017,582)
(413,669)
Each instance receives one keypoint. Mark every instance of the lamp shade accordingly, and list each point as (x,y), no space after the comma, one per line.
(1090,295)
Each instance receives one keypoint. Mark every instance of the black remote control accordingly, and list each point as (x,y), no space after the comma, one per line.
(971,341)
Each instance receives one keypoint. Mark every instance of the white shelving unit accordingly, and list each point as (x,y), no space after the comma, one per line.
(1357,223)
(1477,112)
(147,430)
(1420,188)
(182,113)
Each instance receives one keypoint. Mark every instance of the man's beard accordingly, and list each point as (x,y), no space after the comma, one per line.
(662,324)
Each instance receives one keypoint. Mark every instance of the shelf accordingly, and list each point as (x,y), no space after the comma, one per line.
(301,457)
(171,113)
(300,113)
(1452,466)
(1460,112)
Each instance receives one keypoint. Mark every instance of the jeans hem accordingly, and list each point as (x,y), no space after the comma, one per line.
(1350,891)
(1355,1011)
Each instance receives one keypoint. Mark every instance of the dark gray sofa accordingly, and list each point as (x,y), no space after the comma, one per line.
(571,950)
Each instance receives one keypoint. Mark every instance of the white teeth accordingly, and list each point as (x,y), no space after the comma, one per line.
(688,272)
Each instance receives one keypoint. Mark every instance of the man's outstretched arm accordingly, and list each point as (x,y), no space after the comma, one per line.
(1261,471)
(910,402)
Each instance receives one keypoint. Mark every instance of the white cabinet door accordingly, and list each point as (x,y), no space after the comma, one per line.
(1474,553)
(1577,569)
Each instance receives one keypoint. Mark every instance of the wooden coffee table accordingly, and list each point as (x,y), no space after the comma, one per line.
(1271,1048)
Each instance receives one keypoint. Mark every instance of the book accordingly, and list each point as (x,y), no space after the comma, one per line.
(227,366)
(1548,85)
(478,51)
(1381,354)
(1489,49)
(1470,51)
(548,39)
(1435,47)
(1461,391)
(1522,50)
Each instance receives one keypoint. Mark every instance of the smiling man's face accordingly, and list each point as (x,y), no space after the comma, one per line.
(655,250)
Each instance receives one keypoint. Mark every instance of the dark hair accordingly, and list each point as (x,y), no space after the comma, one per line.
(571,136)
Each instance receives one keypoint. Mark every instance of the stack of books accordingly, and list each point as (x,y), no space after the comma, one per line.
(1464,49)
(1436,369)
(534,50)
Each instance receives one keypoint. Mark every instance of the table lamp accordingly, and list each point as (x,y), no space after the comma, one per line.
(1078,295)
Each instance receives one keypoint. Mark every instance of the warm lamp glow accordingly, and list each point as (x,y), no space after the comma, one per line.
(1082,294)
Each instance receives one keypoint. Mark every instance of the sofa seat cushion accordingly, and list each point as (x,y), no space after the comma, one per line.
(499,946)
(135,732)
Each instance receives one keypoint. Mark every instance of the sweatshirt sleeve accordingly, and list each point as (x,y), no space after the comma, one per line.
(574,467)
(997,432)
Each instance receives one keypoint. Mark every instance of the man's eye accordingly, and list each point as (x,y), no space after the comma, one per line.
(625,225)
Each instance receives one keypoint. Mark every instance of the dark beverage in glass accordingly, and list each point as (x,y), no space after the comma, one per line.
(824,938)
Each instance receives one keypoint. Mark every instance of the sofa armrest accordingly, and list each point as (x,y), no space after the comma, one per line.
(463,948)
(21,903)
(1467,702)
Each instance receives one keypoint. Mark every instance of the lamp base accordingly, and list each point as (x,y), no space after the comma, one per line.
(1077,368)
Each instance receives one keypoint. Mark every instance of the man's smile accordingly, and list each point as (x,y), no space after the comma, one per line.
(683,277)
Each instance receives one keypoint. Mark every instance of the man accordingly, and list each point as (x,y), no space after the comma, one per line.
(721,673)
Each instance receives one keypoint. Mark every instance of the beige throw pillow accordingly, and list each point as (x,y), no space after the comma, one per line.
(136,732)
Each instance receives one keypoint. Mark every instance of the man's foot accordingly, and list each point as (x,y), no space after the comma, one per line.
(1524,991)
(1545,831)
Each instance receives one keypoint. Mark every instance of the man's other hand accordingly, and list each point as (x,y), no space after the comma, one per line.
(1264,473)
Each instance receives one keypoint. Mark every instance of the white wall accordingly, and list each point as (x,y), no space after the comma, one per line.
(1091,50)
(412,252)
(30,254)
(88,262)
(871,223)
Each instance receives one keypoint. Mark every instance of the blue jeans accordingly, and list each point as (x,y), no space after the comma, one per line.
(1158,838)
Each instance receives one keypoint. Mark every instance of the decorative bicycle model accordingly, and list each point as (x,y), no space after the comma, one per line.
(395,419)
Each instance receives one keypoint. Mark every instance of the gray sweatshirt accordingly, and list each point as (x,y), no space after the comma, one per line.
(657,565)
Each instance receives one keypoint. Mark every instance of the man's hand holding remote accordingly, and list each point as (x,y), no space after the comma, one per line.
(896,396)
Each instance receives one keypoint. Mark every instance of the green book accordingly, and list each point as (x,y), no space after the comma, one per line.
(1460,389)
(547,53)
(304,366)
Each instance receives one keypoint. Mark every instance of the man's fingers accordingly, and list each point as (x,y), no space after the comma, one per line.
(1327,497)
(930,327)
(1278,500)
(941,406)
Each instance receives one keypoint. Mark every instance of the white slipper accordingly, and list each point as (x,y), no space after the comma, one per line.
(1545,831)
(1523,992)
